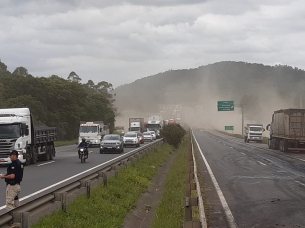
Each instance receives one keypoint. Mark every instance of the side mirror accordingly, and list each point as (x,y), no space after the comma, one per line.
(268,127)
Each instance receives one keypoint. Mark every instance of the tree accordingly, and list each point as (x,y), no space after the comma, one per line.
(3,67)
(73,77)
(22,71)
(173,134)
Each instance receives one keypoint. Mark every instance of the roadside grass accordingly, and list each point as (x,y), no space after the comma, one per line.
(170,211)
(64,143)
(108,206)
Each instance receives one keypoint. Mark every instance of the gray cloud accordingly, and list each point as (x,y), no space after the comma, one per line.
(122,41)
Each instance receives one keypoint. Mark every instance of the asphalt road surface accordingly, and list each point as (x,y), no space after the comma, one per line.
(49,174)
(262,187)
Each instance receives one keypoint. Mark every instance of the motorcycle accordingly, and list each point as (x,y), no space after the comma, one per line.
(83,154)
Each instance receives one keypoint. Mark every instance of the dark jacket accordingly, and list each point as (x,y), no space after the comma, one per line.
(83,144)
(16,167)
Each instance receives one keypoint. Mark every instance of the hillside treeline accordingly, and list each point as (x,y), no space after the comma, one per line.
(55,101)
(257,87)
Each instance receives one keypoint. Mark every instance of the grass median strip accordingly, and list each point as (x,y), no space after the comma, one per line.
(108,206)
(170,212)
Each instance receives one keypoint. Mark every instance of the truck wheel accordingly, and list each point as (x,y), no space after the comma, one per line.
(34,154)
(28,156)
(52,152)
(281,147)
(285,146)
(45,156)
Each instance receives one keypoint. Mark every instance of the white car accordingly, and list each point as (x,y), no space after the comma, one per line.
(148,136)
(153,134)
(131,139)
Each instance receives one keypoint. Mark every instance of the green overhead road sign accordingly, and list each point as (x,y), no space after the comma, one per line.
(225,105)
(229,128)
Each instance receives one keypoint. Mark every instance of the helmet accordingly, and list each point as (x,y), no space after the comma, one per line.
(83,140)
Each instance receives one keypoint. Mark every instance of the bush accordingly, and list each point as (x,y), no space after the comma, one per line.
(173,134)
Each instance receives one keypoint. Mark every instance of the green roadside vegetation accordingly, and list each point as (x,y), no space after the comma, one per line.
(65,143)
(170,211)
(108,206)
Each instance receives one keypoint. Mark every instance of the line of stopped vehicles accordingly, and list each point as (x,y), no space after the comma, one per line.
(96,133)
(33,143)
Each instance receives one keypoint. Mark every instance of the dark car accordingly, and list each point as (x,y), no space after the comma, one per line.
(112,143)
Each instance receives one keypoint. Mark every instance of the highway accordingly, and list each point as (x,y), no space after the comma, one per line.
(50,174)
(262,187)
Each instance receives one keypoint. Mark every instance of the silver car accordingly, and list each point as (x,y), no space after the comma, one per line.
(131,139)
(148,136)
(112,143)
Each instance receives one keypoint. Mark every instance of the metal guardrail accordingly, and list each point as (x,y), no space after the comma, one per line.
(29,213)
(192,183)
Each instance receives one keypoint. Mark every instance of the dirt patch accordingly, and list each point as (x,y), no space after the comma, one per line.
(143,214)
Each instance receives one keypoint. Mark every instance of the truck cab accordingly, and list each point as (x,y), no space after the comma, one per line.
(254,132)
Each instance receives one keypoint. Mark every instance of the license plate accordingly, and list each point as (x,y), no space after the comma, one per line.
(109,147)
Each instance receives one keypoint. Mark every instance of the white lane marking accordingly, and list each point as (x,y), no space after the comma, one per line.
(60,182)
(223,201)
(261,163)
(46,163)
(299,182)
(242,153)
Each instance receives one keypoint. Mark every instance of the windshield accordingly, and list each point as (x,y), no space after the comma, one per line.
(88,129)
(153,126)
(111,137)
(255,129)
(134,128)
(8,131)
(130,135)
(146,133)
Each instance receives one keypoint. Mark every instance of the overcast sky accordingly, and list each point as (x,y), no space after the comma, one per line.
(121,41)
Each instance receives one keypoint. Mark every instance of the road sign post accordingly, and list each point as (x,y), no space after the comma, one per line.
(225,105)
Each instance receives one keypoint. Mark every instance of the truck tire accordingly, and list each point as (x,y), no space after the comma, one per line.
(281,147)
(52,152)
(45,156)
(34,154)
(285,146)
(28,156)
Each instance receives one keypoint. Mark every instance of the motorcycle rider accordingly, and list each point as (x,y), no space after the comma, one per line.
(85,145)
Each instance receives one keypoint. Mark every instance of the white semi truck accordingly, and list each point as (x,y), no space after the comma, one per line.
(17,132)
(155,124)
(93,132)
(254,132)
(136,124)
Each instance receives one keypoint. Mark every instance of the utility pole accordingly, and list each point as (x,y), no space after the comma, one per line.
(242,117)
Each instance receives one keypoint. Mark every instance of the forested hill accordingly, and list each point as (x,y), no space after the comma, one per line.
(55,101)
(256,86)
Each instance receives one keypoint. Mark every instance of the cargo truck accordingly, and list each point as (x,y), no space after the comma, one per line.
(287,130)
(254,132)
(92,132)
(136,124)
(17,132)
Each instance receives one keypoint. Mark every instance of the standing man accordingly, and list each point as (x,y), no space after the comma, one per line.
(13,177)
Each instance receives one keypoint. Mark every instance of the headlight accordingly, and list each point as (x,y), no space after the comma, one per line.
(81,149)
(117,143)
